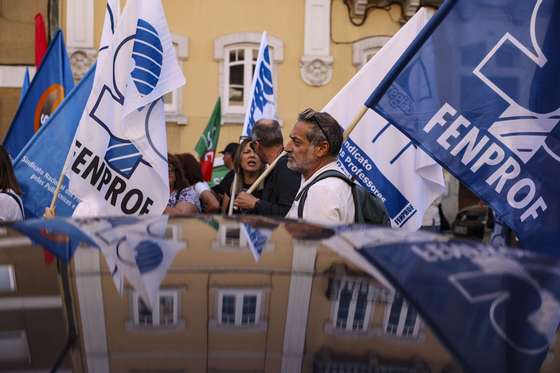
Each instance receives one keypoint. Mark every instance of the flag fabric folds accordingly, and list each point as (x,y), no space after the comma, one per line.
(377,155)
(52,81)
(40,163)
(120,150)
(479,93)
(206,145)
(262,101)
(508,300)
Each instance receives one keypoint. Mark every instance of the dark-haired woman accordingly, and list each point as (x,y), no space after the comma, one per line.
(191,169)
(183,199)
(11,206)
(248,166)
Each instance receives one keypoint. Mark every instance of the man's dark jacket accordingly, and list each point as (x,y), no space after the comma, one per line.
(280,189)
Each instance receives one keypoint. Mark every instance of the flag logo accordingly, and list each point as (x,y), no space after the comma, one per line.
(47,104)
(148,57)
(122,156)
(148,256)
(523,130)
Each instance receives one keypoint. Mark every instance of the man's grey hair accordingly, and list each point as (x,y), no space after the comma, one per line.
(324,128)
(268,133)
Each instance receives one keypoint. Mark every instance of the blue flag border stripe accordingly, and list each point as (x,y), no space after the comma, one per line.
(409,53)
(54,115)
(410,299)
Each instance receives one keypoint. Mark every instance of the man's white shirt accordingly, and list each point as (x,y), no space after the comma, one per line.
(329,201)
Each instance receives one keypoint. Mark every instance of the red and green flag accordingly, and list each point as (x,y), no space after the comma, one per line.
(206,146)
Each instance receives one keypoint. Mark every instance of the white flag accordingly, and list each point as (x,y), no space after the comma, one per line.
(112,16)
(134,248)
(262,103)
(119,163)
(378,155)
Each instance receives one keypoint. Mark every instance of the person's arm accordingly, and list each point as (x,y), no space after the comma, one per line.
(209,201)
(181,208)
(287,183)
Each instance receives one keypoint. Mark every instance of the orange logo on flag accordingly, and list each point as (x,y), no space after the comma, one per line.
(48,102)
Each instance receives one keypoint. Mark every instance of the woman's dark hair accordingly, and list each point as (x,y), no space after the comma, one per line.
(7,177)
(191,168)
(175,165)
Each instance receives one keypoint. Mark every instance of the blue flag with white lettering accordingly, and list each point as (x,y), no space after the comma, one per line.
(496,309)
(50,84)
(479,92)
(40,163)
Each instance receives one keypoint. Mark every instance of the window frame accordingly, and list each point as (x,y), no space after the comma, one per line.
(156,317)
(248,50)
(239,294)
(350,318)
(222,46)
(402,319)
(12,278)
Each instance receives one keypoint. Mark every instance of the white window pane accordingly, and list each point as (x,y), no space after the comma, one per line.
(410,321)
(144,314)
(228,309)
(394,316)
(343,307)
(360,311)
(166,310)
(249,309)
(7,281)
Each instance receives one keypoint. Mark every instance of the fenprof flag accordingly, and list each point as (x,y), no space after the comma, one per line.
(480,94)
(380,157)
(119,164)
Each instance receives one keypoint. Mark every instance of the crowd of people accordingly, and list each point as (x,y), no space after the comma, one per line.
(298,169)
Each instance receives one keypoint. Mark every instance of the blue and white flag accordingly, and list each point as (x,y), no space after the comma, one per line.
(41,161)
(256,239)
(120,151)
(262,102)
(25,85)
(51,83)
(377,155)
(136,249)
(479,93)
(495,309)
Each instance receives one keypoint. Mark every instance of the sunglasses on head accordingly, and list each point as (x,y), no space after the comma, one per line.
(309,115)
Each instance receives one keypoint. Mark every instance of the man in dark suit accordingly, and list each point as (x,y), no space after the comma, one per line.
(282,184)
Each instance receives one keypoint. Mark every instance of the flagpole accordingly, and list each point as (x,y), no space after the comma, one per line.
(233,191)
(345,136)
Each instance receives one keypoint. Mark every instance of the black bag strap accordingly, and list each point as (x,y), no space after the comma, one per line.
(302,195)
(17,199)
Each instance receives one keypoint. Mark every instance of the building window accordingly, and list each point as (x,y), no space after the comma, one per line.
(364,50)
(173,101)
(401,319)
(14,346)
(353,305)
(239,307)
(164,314)
(237,55)
(7,278)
